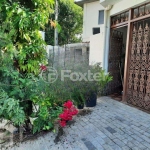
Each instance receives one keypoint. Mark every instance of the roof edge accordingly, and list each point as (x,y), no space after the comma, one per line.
(81,2)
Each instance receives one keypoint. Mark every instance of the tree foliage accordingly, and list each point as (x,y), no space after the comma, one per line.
(70,19)
(25,21)
(21,52)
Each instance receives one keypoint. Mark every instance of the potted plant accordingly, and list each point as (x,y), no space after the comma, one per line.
(91,96)
(96,85)
(104,79)
(78,97)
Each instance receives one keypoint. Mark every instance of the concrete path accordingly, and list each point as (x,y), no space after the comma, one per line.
(111,126)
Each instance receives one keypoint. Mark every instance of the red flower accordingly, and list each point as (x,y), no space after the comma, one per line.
(69,111)
(63,116)
(43,68)
(68,104)
(66,115)
(62,123)
(74,111)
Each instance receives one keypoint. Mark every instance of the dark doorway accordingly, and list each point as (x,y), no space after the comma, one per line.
(116,61)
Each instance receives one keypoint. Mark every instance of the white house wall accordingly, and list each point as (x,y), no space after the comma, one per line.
(96,49)
(90,19)
(99,44)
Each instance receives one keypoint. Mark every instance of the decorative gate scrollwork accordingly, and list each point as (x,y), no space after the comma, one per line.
(114,60)
(138,91)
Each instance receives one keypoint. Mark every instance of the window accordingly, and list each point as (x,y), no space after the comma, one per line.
(96,30)
(101,17)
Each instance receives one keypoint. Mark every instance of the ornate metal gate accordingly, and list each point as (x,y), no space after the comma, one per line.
(114,60)
(138,87)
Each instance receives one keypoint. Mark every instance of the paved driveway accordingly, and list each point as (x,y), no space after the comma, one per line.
(111,126)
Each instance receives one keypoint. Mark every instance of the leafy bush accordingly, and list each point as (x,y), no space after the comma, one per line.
(104,79)
(79,91)
(78,95)
(10,109)
(47,107)
(21,51)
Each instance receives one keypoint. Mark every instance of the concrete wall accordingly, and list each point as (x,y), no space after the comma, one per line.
(90,19)
(67,56)
(96,49)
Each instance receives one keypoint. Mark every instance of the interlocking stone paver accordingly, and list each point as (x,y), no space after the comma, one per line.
(139,139)
(136,148)
(139,145)
(116,147)
(111,126)
(111,130)
(120,118)
(89,145)
(130,144)
(120,136)
(110,142)
(126,148)
(82,145)
(146,144)
(145,138)
(100,140)
(118,142)
(101,134)
(146,134)
(107,147)
(97,145)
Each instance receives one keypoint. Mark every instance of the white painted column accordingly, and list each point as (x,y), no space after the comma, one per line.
(107,39)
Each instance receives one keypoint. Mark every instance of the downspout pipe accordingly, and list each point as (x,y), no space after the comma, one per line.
(106,37)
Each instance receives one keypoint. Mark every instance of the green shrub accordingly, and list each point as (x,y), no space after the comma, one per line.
(47,106)
(21,51)
(10,109)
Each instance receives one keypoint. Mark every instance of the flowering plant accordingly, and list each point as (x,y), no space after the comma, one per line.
(68,113)
(43,68)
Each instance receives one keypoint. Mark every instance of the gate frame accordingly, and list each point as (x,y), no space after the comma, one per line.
(129,24)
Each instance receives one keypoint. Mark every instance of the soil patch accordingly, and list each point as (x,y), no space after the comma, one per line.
(17,138)
(29,136)
(84,112)
(72,122)
(61,131)
(59,134)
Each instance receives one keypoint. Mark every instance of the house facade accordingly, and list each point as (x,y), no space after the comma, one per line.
(122,45)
